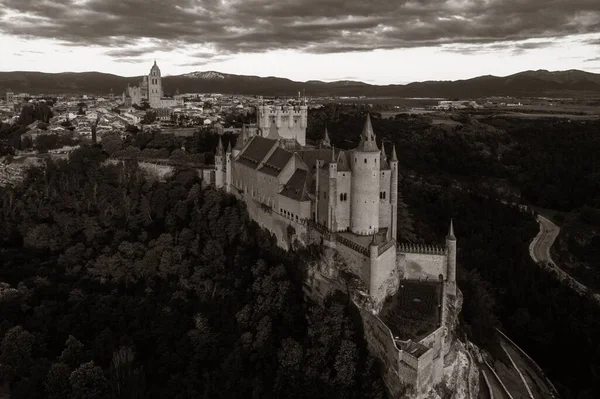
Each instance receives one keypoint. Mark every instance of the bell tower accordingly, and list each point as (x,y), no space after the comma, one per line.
(155,91)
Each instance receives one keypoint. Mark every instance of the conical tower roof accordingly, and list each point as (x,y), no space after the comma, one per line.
(326,141)
(367,138)
(229,147)
(450,235)
(220,147)
(394,157)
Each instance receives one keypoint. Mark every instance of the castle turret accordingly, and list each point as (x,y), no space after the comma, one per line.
(326,143)
(451,255)
(228,164)
(364,219)
(394,192)
(332,191)
(219,166)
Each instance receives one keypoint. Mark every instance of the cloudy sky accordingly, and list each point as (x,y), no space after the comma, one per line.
(376,41)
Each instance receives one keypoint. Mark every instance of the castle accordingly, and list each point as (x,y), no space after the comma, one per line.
(150,90)
(346,200)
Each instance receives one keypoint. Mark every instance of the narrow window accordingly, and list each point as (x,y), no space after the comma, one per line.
(365,160)
(341,197)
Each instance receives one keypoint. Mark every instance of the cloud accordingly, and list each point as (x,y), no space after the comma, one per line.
(597,59)
(314,26)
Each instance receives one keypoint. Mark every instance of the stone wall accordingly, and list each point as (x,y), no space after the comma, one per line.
(383,269)
(357,263)
(422,266)
(274,222)
(298,209)
(322,193)
(385,214)
(381,345)
(342,215)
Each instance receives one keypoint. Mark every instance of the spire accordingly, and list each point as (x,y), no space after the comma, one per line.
(374,240)
(333,160)
(326,141)
(367,138)
(220,147)
(155,62)
(450,235)
(229,147)
(394,157)
(383,152)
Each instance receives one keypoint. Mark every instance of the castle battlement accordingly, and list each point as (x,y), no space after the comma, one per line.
(405,247)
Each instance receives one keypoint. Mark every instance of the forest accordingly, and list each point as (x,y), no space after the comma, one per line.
(464,171)
(114,286)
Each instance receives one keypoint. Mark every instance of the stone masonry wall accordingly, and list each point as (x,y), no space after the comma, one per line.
(422,266)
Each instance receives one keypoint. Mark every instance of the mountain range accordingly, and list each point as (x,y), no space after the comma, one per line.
(571,83)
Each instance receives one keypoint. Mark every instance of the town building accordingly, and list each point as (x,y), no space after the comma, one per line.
(10,98)
(347,200)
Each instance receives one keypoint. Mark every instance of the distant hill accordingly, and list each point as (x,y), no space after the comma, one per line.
(572,83)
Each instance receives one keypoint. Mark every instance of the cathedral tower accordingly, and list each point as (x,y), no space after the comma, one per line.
(154,86)
(364,218)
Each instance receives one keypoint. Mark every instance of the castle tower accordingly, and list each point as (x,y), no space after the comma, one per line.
(228,163)
(326,143)
(332,192)
(394,192)
(364,211)
(154,86)
(219,170)
(451,255)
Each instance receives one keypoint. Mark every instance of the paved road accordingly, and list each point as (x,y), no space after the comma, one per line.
(539,249)
(540,246)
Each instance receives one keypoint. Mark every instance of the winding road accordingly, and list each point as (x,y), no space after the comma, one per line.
(539,250)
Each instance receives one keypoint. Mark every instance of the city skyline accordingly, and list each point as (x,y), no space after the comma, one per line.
(380,43)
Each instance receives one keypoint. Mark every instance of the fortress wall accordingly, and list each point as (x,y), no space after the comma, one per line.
(381,345)
(422,266)
(275,223)
(435,340)
(383,274)
(357,263)
(425,372)
(342,214)
(300,209)
(266,189)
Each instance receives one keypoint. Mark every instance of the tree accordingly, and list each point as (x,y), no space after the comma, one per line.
(15,356)
(72,355)
(57,385)
(112,142)
(88,382)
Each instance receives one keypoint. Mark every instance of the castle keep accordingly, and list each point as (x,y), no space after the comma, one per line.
(346,200)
